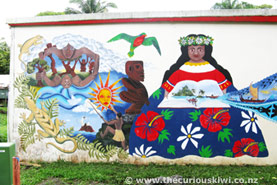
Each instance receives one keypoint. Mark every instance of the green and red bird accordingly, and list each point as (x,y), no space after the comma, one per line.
(136,41)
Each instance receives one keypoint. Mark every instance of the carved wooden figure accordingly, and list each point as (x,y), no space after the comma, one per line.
(136,93)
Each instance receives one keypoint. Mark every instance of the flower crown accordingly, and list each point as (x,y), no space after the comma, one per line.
(199,40)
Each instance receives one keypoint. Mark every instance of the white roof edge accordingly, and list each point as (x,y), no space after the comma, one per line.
(131,15)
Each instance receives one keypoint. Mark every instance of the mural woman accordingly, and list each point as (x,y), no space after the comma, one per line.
(186,116)
(197,53)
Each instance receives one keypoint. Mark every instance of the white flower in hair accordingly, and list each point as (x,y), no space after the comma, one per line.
(183,42)
(199,40)
(191,40)
(207,41)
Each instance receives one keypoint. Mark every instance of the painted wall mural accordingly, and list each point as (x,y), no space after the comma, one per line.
(75,90)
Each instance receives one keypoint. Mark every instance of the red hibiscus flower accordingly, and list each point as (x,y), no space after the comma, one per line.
(214,118)
(149,126)
(246,146)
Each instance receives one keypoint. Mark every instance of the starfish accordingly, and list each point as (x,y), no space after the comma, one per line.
(137,41)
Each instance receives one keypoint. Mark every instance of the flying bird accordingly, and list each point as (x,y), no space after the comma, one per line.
(136,41)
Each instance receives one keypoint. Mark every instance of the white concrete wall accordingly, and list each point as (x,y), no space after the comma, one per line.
(4,80)
(247,50)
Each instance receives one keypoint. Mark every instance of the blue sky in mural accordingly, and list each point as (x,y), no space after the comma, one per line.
(73,105)
(73,119)
(59,65)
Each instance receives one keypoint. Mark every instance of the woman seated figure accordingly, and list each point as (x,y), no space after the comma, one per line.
(206,130)
(196,67)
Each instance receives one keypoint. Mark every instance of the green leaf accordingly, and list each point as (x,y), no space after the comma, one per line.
(21,84)
(163,135)
(228,153)
(195,115)
(262,146)
(225,134)
(97,149)
(53,107)
(27,132)
(67,132)
(156,94)
(205,152)
(167,114)
(171,149)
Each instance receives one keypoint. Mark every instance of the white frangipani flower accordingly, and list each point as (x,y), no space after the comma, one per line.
(184,41)
(251,121)
(191,40)
(189,136)
(198,40)
(144,153)
(207,41)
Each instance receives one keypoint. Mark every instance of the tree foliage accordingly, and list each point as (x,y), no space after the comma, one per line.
(37,64)
(227,4)
(185,91)
(49,13)
(265,6)
(4,57)
(85,7)
(90,6)
(235,4)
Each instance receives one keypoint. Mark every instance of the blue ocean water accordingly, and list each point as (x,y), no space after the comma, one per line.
(90,136)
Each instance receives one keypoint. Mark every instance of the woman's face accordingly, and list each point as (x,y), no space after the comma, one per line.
(196,53)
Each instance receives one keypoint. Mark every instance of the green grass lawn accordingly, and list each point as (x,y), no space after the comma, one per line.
(3,125)
(115,173)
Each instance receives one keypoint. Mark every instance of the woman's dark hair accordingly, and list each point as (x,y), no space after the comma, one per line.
(119,115)
(185,58)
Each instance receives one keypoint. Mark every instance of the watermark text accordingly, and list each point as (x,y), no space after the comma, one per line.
(193,180)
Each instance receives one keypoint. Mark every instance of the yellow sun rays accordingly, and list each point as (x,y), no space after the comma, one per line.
(104,96)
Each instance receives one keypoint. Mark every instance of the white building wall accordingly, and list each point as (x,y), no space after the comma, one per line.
(247,50)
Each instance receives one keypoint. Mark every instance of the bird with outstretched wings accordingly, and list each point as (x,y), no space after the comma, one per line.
(136,41)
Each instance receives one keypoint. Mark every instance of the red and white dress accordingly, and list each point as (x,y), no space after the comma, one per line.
(198,76)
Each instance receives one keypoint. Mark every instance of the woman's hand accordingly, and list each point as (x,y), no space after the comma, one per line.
(166,93)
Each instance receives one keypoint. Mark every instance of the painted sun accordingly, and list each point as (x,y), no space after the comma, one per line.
(104,96)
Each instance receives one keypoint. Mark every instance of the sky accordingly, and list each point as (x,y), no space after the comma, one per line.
(29,8)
